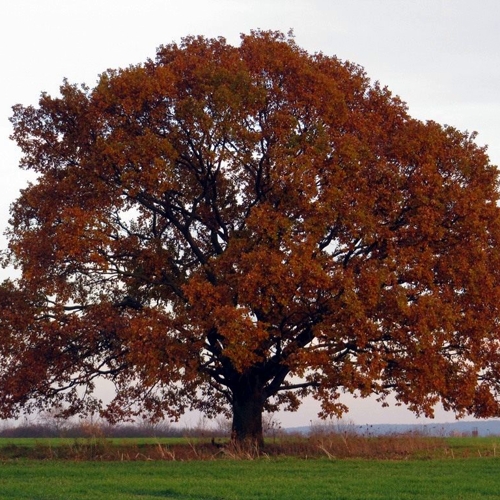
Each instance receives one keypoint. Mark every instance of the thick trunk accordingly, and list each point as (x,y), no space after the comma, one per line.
(248,404)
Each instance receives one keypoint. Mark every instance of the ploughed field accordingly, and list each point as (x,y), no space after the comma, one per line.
(323,467)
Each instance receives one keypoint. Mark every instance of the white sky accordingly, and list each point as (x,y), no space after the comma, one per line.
(442,57)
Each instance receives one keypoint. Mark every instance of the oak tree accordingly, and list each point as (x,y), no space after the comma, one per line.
(231,228)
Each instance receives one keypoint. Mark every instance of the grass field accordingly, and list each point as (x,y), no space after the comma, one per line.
(283,478)
(333,446)
(336,466)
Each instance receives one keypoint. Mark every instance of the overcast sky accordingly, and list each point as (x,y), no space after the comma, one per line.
(442,57)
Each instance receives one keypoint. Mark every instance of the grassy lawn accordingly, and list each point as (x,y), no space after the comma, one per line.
(286,478)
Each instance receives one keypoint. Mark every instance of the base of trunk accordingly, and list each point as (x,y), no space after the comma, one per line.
(247,421)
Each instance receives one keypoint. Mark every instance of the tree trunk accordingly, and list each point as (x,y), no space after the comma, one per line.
(248,405)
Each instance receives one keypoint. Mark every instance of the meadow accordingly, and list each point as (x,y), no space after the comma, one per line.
(332,466)
(264,478)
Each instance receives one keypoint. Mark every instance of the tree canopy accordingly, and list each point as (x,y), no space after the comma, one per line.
(229,229)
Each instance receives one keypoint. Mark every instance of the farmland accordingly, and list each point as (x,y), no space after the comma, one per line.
(290,478)
(447,468)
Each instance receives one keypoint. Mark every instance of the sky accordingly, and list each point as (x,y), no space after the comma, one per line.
(442,57)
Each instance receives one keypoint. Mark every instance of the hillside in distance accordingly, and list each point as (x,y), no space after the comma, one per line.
(458,428)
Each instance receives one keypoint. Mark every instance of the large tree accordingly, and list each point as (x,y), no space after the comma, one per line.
(229,229)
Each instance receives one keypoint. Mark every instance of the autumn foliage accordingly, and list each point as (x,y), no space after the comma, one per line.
(229,229)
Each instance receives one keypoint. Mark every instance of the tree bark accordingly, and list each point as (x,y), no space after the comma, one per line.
(248,406)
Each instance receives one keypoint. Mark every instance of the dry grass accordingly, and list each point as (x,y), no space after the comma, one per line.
(338,440)
(330,445)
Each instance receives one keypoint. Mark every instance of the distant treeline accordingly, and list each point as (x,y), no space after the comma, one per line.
(49,427)
(52,429)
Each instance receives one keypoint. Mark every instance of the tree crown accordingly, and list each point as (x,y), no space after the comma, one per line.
(226,223)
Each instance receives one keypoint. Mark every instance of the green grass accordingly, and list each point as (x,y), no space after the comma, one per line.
(64,441)
(287,478)
(467,445)
(400,467)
